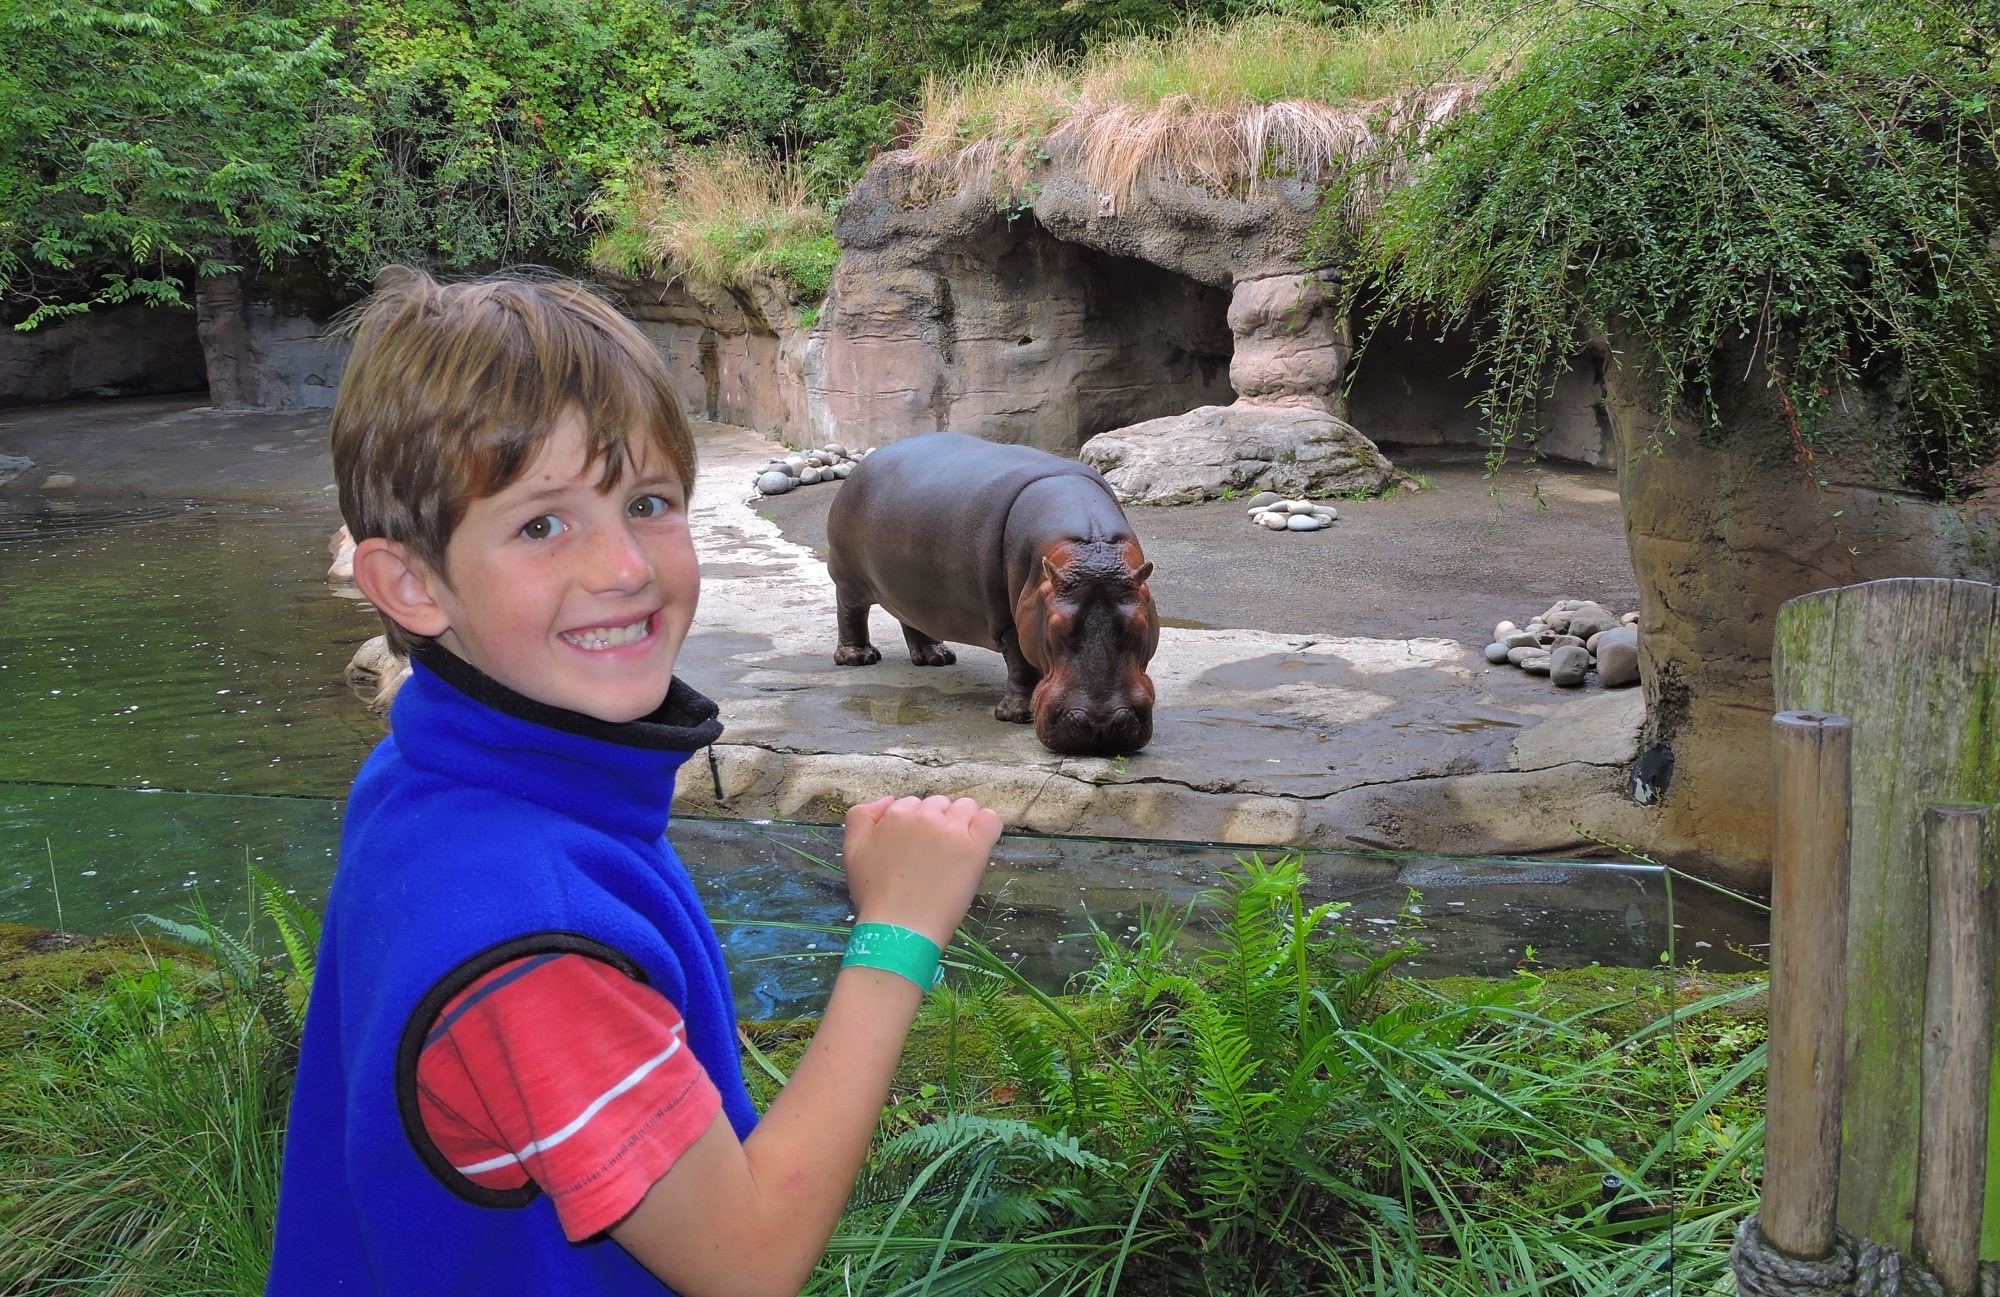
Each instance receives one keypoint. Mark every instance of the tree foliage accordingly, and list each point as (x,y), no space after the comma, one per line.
(1804,195)
(122,172)
(147,143)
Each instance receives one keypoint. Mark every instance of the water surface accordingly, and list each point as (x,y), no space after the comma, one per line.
(171,713)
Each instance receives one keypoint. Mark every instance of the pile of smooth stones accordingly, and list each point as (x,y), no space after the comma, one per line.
(1269,509)
(829,463)
(1568,641)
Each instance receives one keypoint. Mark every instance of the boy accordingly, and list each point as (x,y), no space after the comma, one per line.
(520,1069)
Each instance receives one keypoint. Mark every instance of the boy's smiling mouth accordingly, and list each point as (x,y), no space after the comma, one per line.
(596,638)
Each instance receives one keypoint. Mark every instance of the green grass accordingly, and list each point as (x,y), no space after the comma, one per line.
(1268,1109)
(141,1127)
(1231,69)
(1278,1113)
(724,217)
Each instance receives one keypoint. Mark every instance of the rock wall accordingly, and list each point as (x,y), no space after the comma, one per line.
(738,356)
(151,351)
(121,351)
(1044,324)
(1052,312)
(297,366)
(1409,388)
(1724,526)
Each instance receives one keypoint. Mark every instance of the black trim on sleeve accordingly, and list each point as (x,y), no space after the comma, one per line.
(410,1048)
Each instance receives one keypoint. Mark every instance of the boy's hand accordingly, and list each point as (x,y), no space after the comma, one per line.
(918,863)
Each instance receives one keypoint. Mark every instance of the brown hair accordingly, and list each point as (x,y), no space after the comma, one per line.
(452,389)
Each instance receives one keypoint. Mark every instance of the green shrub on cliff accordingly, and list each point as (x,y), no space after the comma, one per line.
(1803,196)
(720,216)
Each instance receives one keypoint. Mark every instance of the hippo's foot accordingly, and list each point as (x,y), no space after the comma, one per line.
(856,655)
(925,651)
(1014,708)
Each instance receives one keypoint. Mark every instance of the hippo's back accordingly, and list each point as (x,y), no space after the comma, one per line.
(919,527)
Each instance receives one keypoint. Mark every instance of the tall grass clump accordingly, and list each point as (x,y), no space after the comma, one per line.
(142,1125)
(1278,1114)
(721,215)
(1803,198)
(1225,105)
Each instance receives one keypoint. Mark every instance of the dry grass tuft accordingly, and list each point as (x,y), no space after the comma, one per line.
(716,214)
(1223,107)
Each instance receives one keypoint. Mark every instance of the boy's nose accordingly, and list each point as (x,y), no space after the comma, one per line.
(618,561)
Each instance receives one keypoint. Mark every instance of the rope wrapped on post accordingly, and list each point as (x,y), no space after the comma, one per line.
(1857,1268)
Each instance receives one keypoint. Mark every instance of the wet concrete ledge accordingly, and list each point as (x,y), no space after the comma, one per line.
(1260,738)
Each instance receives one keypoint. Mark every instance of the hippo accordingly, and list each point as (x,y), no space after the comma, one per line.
(1008,548)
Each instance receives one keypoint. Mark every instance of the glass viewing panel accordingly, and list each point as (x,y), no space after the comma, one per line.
(115,854)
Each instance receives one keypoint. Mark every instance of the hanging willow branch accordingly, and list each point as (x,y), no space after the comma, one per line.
(1809,189)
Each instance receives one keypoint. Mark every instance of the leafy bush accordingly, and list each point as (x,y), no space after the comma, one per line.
(1276,1115)
(1805,196)
(142,145)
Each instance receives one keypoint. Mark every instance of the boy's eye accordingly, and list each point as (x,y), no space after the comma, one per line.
(543,527)
(648,506)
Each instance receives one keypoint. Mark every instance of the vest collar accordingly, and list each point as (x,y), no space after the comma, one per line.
(454,720)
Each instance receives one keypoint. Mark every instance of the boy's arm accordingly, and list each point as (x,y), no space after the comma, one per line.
(753,1217)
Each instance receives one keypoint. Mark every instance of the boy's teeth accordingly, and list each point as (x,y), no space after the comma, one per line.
(604,637)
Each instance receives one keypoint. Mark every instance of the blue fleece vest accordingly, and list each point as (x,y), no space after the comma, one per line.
(486,827)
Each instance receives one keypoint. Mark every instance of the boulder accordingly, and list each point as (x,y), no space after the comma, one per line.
(1201,454)
(1618,663)
(375,673)
(1591,619)
(341,547)
(1568,665)
(1291,341)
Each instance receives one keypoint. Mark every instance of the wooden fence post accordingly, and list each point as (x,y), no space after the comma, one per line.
(1958,1046)
(1914,663)
(1809,860)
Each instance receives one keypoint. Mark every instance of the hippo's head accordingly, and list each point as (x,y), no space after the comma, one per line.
(1090,625)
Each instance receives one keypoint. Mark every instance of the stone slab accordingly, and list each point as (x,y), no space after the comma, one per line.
(1259,737)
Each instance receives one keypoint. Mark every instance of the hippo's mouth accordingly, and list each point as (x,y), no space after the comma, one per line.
(1082,732)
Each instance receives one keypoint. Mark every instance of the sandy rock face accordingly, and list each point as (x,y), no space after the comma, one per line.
(1291,341)
(956,307)
(1198,455)
(736,357)
(1724,527)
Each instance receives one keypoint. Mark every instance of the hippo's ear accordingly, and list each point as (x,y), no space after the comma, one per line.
(1145,570)
(1048,570)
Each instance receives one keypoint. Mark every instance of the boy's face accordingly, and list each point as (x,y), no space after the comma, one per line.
(574,597)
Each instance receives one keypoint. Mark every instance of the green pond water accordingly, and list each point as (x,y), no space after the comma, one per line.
(171,709)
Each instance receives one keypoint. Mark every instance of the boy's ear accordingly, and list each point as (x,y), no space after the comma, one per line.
(400,585)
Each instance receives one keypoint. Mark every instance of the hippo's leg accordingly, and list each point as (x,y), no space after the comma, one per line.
(853,650)
(925,651)
(1022,677)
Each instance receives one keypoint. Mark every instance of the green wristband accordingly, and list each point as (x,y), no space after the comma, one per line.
(894,949)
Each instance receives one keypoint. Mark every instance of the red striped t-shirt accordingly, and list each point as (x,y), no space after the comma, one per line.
(560,1069)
